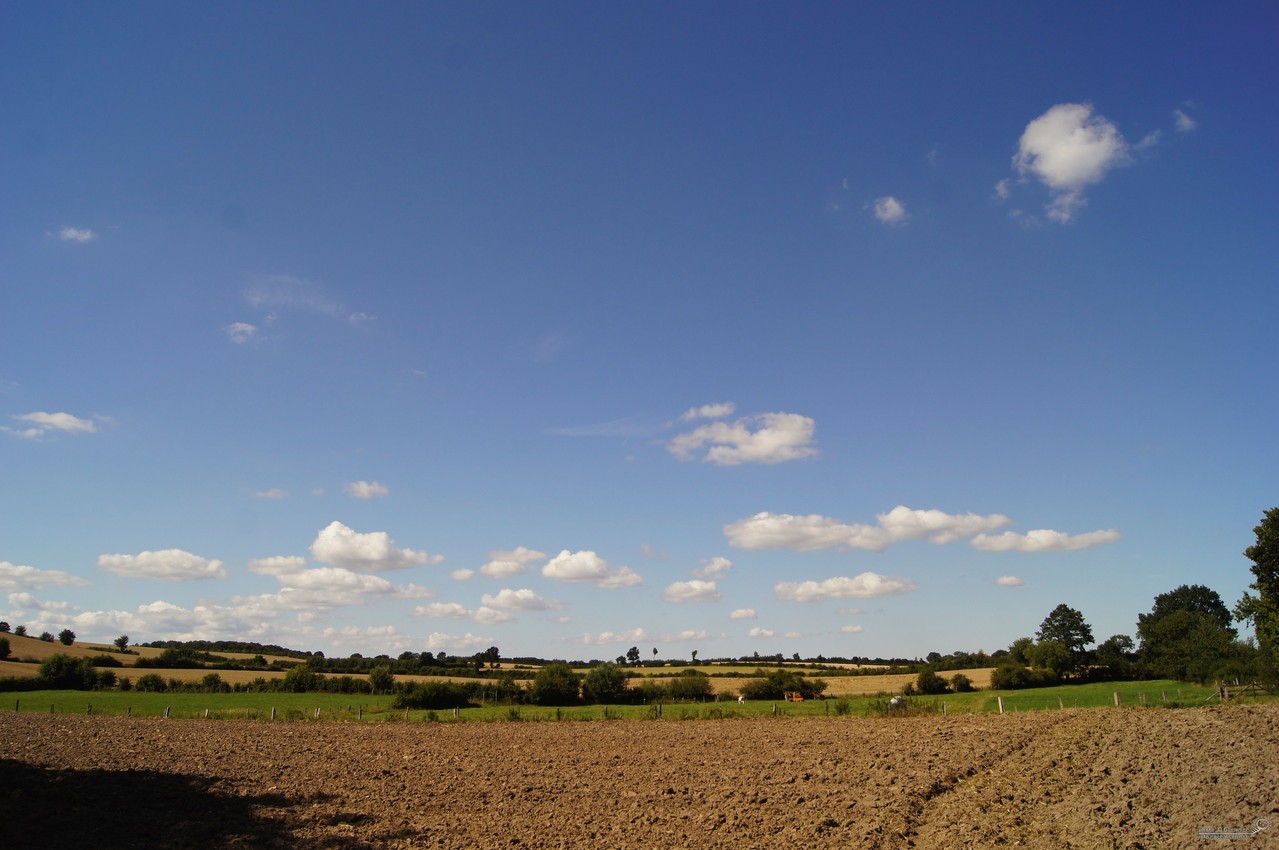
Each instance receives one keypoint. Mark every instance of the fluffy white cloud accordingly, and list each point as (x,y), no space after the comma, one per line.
(587,567)
(20,577)
(375,550)
(274,493)
(696,590)
(1043,540)
(338,580)
(486,615)
(453,610)
(709,411)
(766,438)
(456,644)
(852,630)
(713,567)
(1068,148)
(241,332)
(743,614)
(1184,122)
(504,564)
(889,210)
(277,565)
(692,634)
(634,636)
(520,600)
(867,585)
(462,574)
(366,489)
(812,532)
(759,632)
(77,234)
(1009,581)
(166,564)
(41,423)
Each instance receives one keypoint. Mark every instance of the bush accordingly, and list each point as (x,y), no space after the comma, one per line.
(301,679)
(555,684)
(434,695)
(931,683)
(105,661)
(777,684)
(47,637)
(4,648)
(66,637)
(62,672)
(151,682)
(1011,677)
(961,684)
(605,684)
(690,686)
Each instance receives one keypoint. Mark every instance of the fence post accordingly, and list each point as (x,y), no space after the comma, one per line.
(1142,698)
(317,714)
(166,712)
(1117,700)
(1060,704)
(51,708)
(206,714)
(89,710)
(128,711)
(406,714)
(272,712)
(16,703)
(1165,693)
(1001,704)
(361,717)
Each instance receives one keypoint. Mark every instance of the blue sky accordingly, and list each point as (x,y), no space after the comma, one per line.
(854,329)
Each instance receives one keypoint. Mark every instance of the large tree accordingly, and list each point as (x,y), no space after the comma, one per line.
(1066,626)
(1263,609)
(1187,634)
(555,684)
(605,684)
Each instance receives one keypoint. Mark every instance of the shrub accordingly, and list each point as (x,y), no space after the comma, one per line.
(776,684)
(62,672)
(301,679)
(691,686)
(434,695)
(931,683)
(66,637)
(47,637)
(961,684)
(105,661)
(151,682)
(604,683)
(20,630)
(4,647)
(555,684)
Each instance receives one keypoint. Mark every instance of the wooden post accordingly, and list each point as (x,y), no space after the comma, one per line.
(1001,704)
(89,710)
(1060,704)
(128,711)
(1165,693)
(361,717)
(272,712)
(774,709)
(1142,698)
(406,714)
(943,709)
(206,714)
(457,713)
(827,702)
(51,708)
(16,703)
(1117,701)
(317,714)
(166,712)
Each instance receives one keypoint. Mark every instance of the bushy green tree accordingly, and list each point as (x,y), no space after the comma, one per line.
(690,686)
(1116,655)
(434,695)
(20,630)
(1187,634)
(151,683)
(1053,658)
(47,637)
(1262,610)
(300,679)
(381,680)
(4,625)
(62,672)
(961,684)
(121,643)
(66,637)
(775,685)
(928,682)
(4,648)
(555,684)
(605,684)
(1067,626)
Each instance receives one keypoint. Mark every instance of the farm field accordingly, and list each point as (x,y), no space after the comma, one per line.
(1075,778)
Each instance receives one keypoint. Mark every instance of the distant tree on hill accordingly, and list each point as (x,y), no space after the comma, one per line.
(632,655)
(66,637)
(20,630)
(121,643)
(1067,626)
(47,637)
(4,625)
(4,648)
(381,680)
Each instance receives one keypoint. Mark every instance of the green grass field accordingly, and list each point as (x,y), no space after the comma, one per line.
(348,708)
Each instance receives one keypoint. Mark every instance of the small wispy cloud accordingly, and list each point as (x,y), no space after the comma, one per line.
(1183,122)
(274,493)
(241,332)
(1009,581)
(76,234)
(767,438)
(40,424)
(890,211)
(366,489)
(709,411)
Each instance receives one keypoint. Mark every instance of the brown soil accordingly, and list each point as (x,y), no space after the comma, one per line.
(1127,778)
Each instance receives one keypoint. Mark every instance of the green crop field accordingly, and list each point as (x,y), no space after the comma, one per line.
(349,708)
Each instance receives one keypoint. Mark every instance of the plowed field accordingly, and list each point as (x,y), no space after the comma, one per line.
(1125,778)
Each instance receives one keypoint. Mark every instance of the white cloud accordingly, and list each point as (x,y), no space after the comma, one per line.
(486,615)
(634,636)
(765,438)
(1068,148)
(413,591)
(867,585)
(338,580)
(456,644)
(1184,123)
(42,423)
(361,320)
(462,574)
(454,610)
(366,489)
(1009,581)
(338,544)
(891,211)
(709,411)
(588,567)
(759,632)
(165,564)
(16,577)
(743,614)
(241,332)
(1002,190)
(812,532)
(691,634)
(77,234)
(520,600)
(691,591)
(1043,540)
(852,630)
(713,567)
(281,291)
(504,564)
(277,565)
(274,493)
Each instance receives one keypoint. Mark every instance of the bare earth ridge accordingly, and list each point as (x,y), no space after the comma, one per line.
(1122,778)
